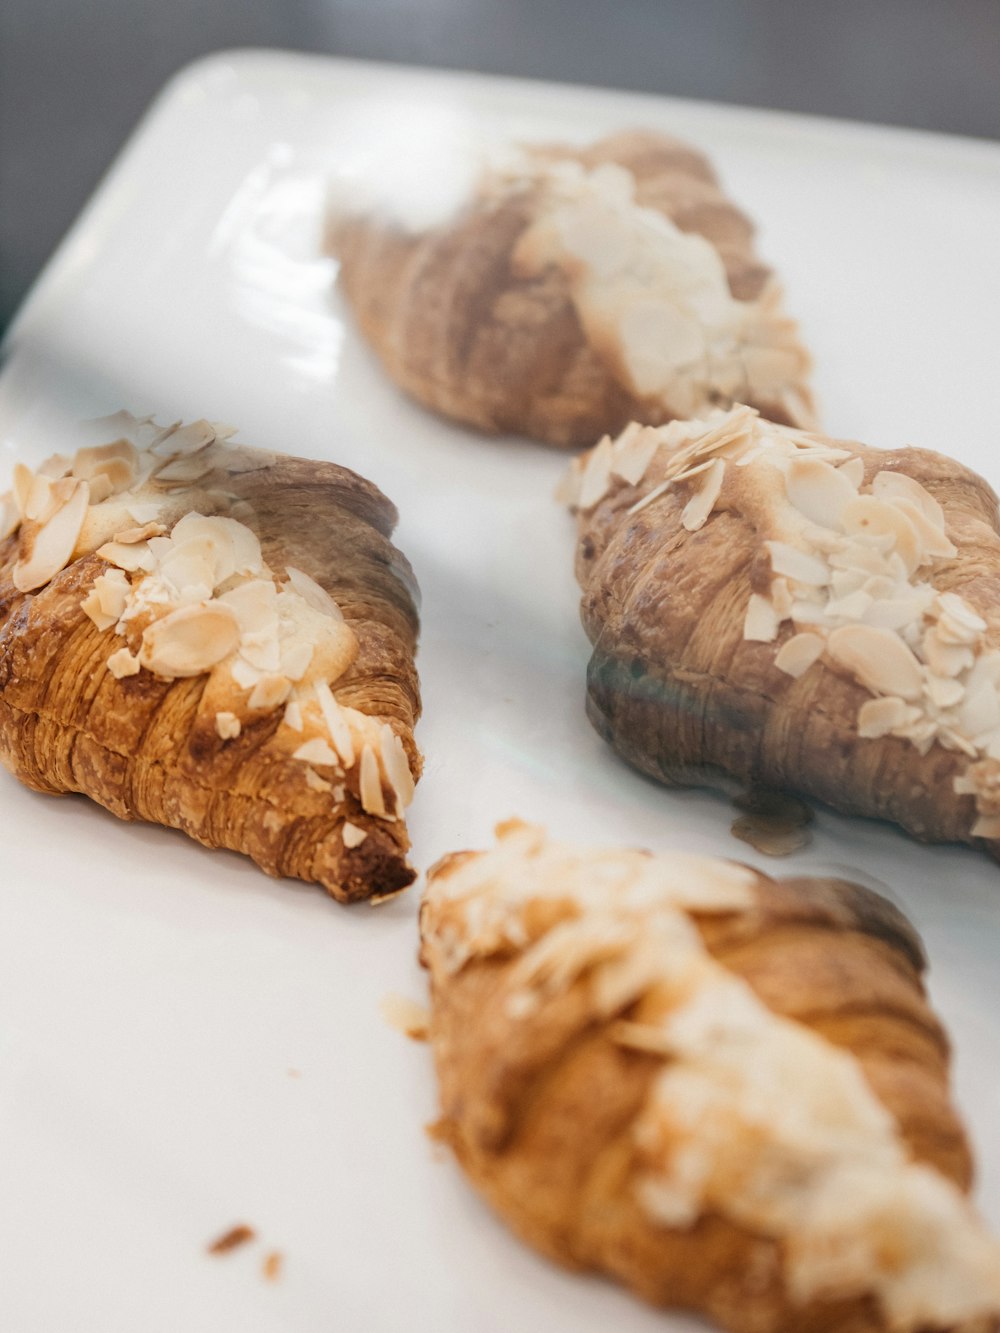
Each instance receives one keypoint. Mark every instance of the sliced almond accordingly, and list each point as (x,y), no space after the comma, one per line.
(107,599)
(878,659)
(10,515)
(336,723)
(131,536)
(696,511)
(781,598)
(317,751)
(897,485)
(596,475)
(818,490)
(798,565)
(945,659)
(22,484)
(185,470)
(293,715)
(370,783)
(55,466)
(798,654)
(315,783)
(760,625)
(854,471)
(396,767)
(227,725)
(945,692)
(47,549)
(269,693)
(634,450)
(352,835)
(190,640)
(122,663)
(870,517)
(880,717)
(852,607)
(133,557)
(936,542)
(312,593)
(980,711)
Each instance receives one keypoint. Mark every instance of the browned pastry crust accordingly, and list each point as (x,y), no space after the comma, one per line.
(151,748)
(542,1102)
(682,686)
(467,326)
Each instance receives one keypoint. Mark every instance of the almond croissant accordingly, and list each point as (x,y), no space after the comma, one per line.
(724,1090)
(216,639)
(776,609)
(577,289)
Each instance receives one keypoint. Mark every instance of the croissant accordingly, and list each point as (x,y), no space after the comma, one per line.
(577,289)
(216,639)
(771,608)
(724,1090)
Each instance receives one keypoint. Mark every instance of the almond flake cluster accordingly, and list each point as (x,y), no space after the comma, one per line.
(830,1176)
(657,299)
(850,571)
(192,595)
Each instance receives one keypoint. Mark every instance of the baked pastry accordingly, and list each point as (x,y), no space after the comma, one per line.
(217,639)
(726,1091)
(775,609)
(575,290)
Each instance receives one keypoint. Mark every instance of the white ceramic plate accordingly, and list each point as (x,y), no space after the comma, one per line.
(186,1044)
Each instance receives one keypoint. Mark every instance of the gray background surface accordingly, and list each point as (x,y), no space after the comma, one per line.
(75,77)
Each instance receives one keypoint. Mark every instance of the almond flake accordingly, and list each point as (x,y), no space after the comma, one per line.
(315,783)
(878,659)
(981,710)
(352,835)
(189,641)
(336,722)
(23,481)
(172,440)
(852,607)
(227,725)
(760,624)
(698,508)
(880,717)
(798,653)
(936,543)
(55,466)
(122,663)
(654,494)
(854,471)
(131,536)
(869,517)
(128,557)
(47,549)
(797,565)
(370,783)
(185,470)
(312,593)
(396,767)
(269,692)
(293,715)
(899,486)
(959,610)
(635,449)
(945,659)
(316,751)
(596,475)
(944,691)
(818,490)
(10,515)
(781,598)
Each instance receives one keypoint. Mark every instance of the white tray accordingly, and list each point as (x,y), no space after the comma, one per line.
(186,1044)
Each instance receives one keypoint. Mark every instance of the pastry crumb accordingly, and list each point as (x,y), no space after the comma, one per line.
(272,1265)
(406,1016)
(232,1239)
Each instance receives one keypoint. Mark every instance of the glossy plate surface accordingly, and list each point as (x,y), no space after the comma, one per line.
(186,1044)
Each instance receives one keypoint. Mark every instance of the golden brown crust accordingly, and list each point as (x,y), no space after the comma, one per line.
(676,687)
(462,327)
(148,748)
(541,1110)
